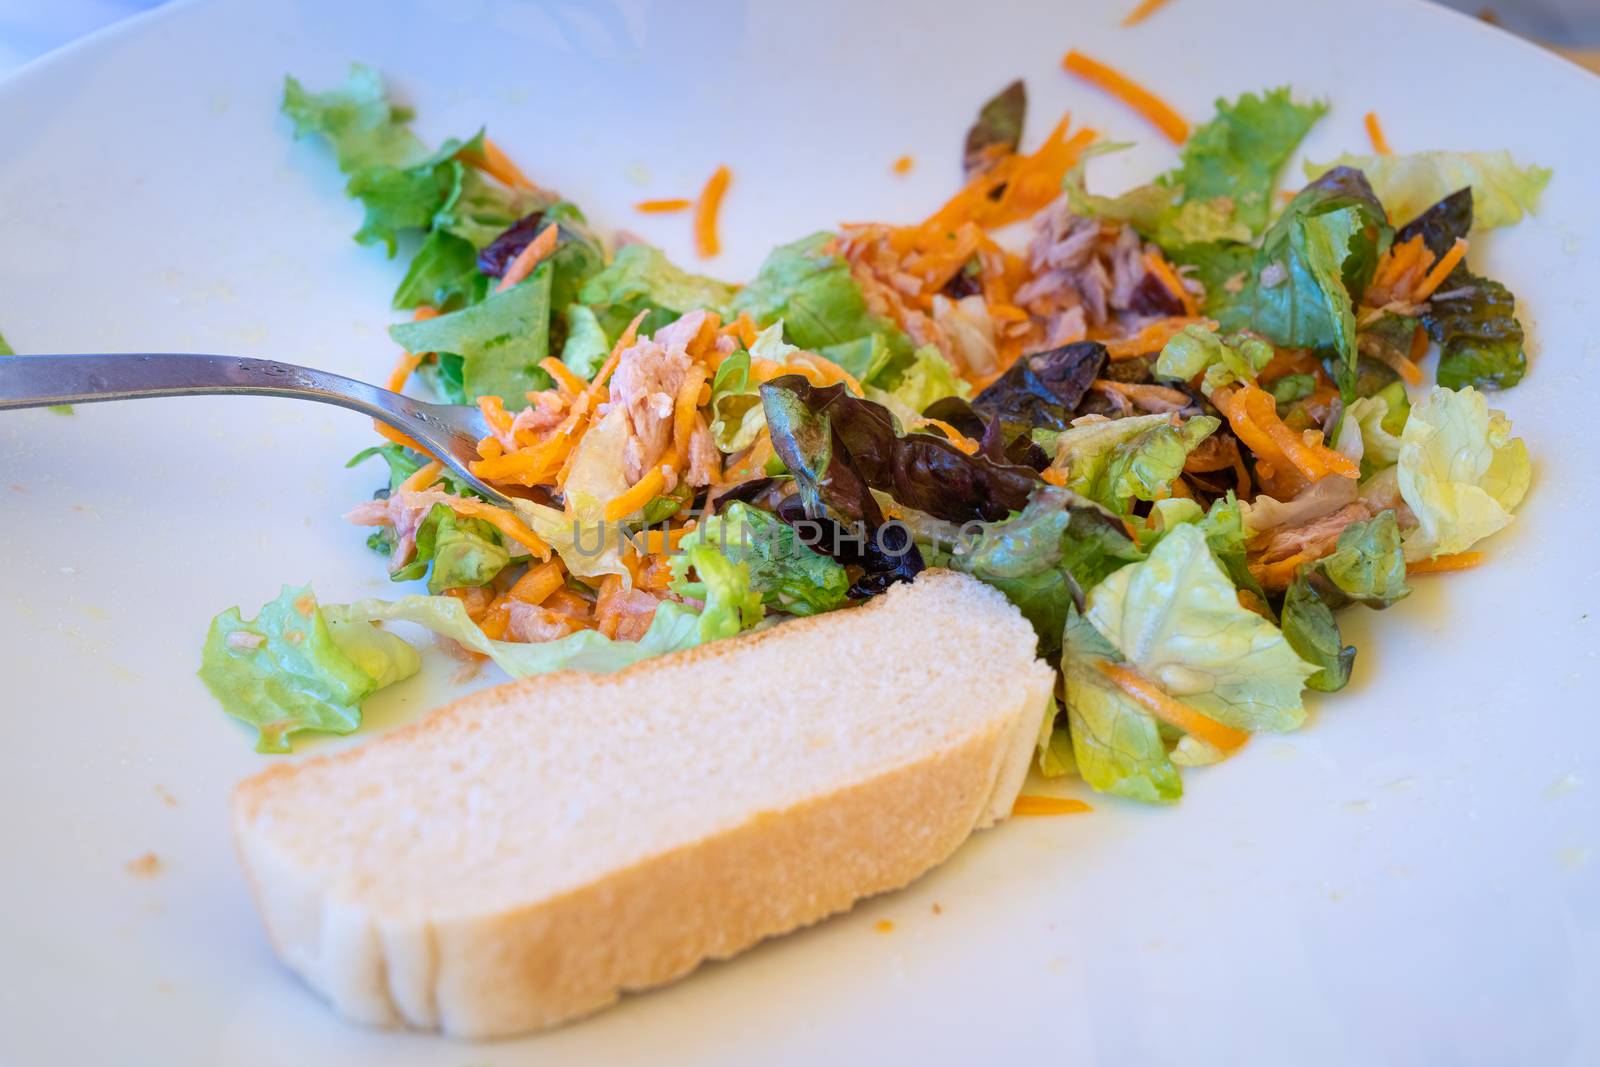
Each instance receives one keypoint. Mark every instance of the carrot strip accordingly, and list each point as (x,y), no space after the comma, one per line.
(387,431)
(1419,344)
(641,493)
(1439,271)
(499,166)
(903,165)
(1170,711)
(1253,415)
(502,520)
(538,583)
(1145,9)
(1038,805)
(1157,265)
(494,412)
(957,438)
(683,413)
(1055,476)
(1146,103)
(1380,144)
(624,343)
(659,542)
(1460,561)
(664,206)
(408,362)
(706,242)
(564,378)
(527,259)
(1402,365)
(1397,261)
(422,477)
(1153,338)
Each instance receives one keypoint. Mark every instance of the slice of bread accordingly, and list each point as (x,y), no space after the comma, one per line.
(527,854)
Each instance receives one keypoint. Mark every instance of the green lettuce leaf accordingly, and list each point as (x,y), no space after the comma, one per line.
(815,297)
(1047,556)
(641,278)
(674,628)
(454,552)
(1407,184)
(789,577)
(1312,631)
(1117,462)
(737,414)
(1176,617)
(1313,266)
(500,342)
(443,274)
(586,345)
(910,389)
(1197,350)
(1460,471)
(1116,744)
(357,120)
(292,669)
(1221,193)
(1380,439)
(400,199)
(722,585)
(403,462)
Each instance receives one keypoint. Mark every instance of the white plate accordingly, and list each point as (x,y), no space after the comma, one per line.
(1409,879)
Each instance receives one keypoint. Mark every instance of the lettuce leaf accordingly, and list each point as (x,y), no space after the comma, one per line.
(1502,191)
(998,129)
(1380,441)
(1176,618)
(1235,158)
(789,577)
(399,199)
(1221,193)
(500,342)
(292,669)
(1472,319)
(929,377)
(674,628)
(722,585)
(1312,631)
(576,258)
(1116,744)
(357,120)
(1197,350)
(814,295)
(586,346)
(1460,471)
(1047,556)
(443,274)
(641,278)
(1313,266)
(1116,462)
(454,552)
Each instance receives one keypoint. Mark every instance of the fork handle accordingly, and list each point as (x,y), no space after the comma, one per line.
(42,381)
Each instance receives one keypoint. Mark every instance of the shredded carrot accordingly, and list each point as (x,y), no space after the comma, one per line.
(538,583)
(663,207)
(754,459)
(1157,264)
(527,259)
(1014,188)
(494,412)
(1129,92)
(706,242)
(660,542)
(646,489)
(1145,9)
(683,411)
(956,437)
(1039,805)
(491,448)
(1439,271)
(385,430)
(1253,415)
(1401,364)
(1055,476)
(1380,144)
(502,520)
(496,620)
(1419,344)
(1277,575)
(624,343)
(498,165)
(1153,338)
(743,328)
(422,477)
(830,371)
(903,165)
(409,362)
(565,380)
(1170,711)
(1460,561)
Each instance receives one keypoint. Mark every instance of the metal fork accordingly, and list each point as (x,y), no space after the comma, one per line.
(450,432)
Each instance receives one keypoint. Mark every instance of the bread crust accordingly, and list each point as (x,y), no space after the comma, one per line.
(556,959)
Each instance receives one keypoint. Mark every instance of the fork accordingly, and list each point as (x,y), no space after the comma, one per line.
(448,432)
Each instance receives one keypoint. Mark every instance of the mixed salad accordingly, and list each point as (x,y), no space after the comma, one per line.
(1181,428)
